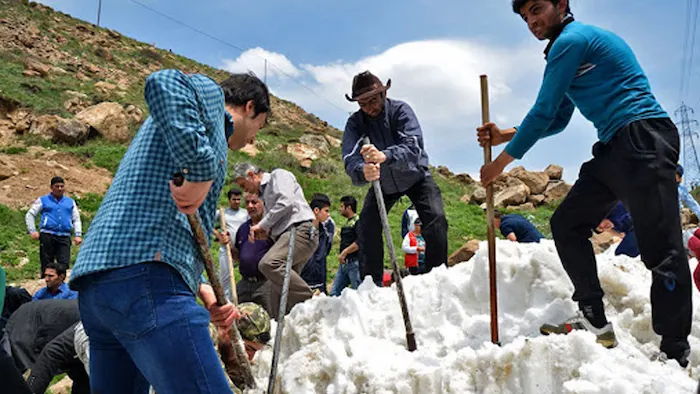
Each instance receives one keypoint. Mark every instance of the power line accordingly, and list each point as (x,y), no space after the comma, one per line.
(692,47)
(685,49)
(183,24)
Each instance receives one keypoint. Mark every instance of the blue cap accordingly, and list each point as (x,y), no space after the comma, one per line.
(679,170)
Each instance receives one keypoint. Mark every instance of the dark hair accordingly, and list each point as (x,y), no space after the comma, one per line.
(56,179)
(320,201)
(241,88)
(349,201)
(518,4)
(234,192)
(60,269)
(498,214)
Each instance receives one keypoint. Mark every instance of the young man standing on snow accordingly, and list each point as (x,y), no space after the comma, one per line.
(397,158)
(285,207)
(634,161)
(139,270)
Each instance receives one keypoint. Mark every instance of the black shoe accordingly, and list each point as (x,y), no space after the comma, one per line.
(675,349)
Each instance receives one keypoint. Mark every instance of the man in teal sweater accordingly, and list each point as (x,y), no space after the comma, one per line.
(634,161)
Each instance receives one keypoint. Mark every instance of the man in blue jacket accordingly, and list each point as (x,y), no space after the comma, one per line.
(516,228)
(59,218)
(397,158)
(634,161)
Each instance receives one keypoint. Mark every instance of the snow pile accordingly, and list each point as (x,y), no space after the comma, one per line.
(356,343)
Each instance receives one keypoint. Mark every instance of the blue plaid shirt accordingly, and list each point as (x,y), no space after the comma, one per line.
(138,220)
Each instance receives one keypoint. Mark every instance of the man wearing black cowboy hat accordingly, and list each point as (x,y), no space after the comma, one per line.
(397,158)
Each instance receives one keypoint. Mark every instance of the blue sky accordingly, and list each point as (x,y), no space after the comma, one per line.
(433,50)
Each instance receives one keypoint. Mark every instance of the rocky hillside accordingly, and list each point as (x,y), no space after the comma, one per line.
(71,98)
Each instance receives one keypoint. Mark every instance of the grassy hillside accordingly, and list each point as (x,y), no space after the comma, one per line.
(83,58)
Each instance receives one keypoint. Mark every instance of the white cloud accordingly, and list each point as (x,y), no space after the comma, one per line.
(254,60)
(440,80)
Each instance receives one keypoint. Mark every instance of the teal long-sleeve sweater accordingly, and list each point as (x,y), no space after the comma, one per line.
(596,71)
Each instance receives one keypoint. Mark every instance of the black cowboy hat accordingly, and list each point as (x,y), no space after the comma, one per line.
(366,84)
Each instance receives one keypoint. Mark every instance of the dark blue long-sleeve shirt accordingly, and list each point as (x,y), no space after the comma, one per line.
(397,133)
(525,232)
(596,71)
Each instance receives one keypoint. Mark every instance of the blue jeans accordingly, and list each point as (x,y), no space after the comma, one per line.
(348,274)
(145,326)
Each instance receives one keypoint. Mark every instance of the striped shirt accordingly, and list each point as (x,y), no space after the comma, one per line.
(138,220)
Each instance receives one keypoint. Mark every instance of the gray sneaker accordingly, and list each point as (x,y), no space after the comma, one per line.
(604,335)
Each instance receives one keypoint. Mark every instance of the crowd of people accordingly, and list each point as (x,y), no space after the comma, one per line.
(133,289)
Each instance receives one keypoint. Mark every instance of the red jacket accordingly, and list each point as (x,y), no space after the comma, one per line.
(411,260)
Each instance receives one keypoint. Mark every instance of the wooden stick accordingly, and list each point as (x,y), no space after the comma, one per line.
(229,255)
(491,234)
(272,380)
(237,367)
(410,336)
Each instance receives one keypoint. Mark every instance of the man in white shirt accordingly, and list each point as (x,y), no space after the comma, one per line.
(235,217)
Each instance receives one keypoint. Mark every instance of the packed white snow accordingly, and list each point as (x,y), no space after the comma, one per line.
(356,343)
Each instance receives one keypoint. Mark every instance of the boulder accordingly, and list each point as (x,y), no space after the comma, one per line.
(37,66)
(70,131)
(317,142)
(554,172)
(444,171)
(332,141)
(478,195)
(21,119)
(536,181)
(528,206)
(105,87)
(250,149)
(555,191)
(31,73)
(305,154)
(536,199)
(44,126)
(134,113)
(108,119)
(465,179)
(466,252)
(513,195)
(7,169)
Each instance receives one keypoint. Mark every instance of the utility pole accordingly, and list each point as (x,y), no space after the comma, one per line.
(99,11)
(689,154)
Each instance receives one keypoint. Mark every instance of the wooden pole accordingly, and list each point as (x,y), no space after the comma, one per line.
(229,255)
(238,366)
(410,336)
(491,235)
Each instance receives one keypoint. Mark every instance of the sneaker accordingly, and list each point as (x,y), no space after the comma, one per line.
(605,335)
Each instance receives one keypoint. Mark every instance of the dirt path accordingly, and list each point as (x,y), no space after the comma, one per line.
(30,174)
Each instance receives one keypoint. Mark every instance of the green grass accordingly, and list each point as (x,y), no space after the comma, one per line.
(99,152)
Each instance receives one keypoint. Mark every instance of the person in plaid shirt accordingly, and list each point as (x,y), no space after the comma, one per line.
(138,270)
